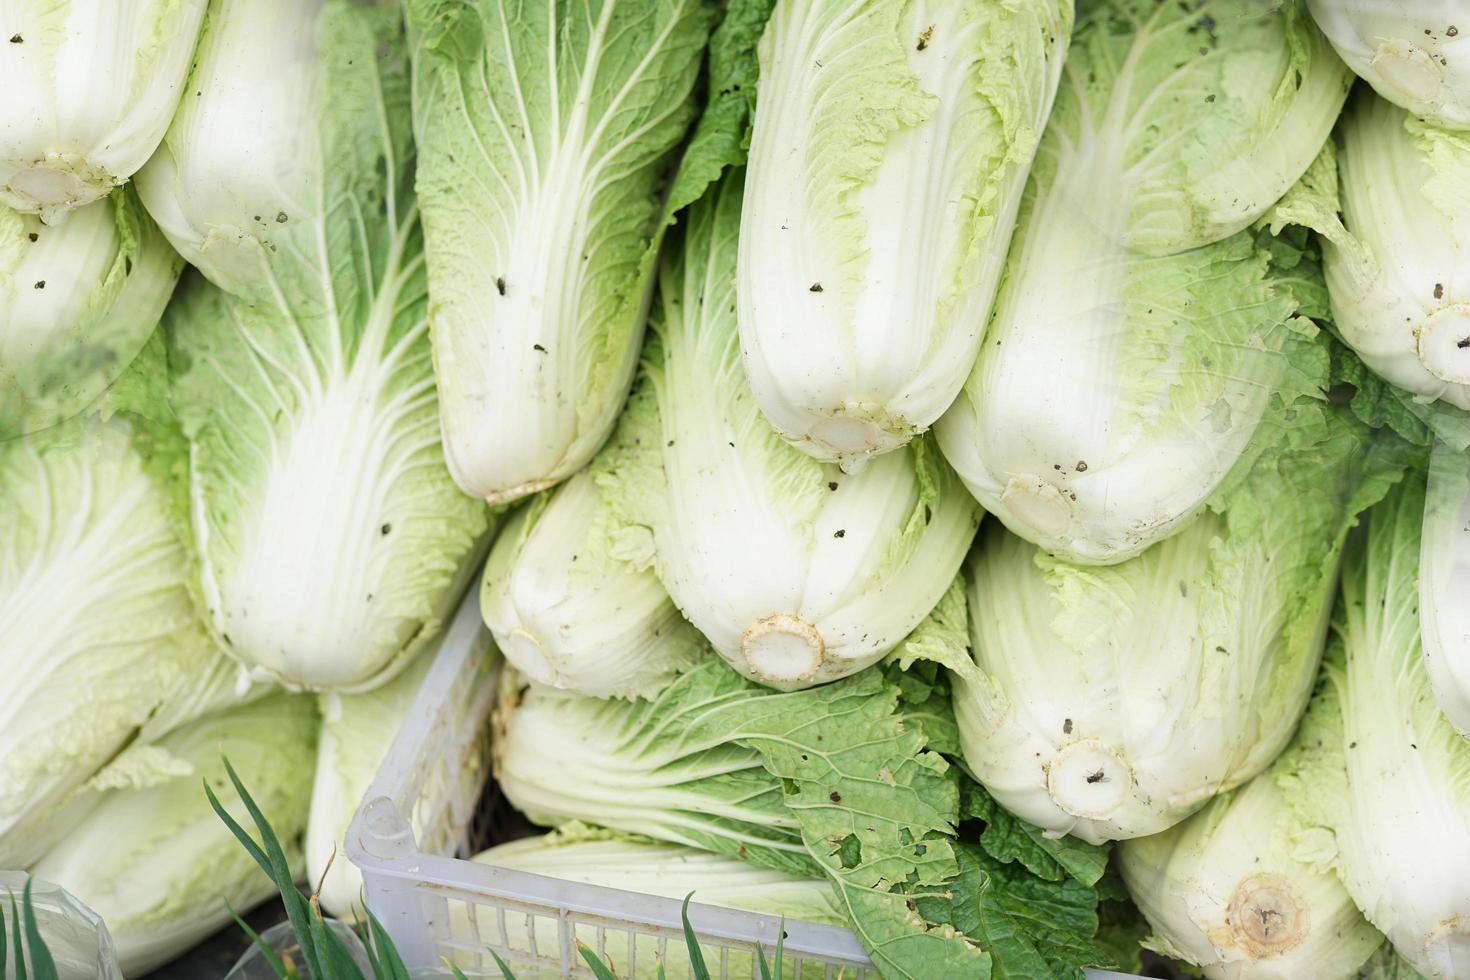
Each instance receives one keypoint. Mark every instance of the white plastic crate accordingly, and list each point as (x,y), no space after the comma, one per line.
(411,835)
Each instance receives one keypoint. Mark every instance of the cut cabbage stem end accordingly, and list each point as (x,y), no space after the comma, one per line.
(783,648)
(57,183)
(847,435)
(1267,916)
(1089,779)
(523,650)
(512,494)
(1444,343)
(1447,946)
(1038,504)
(1408,69)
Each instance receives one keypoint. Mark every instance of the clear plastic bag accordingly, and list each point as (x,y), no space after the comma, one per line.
(76,937)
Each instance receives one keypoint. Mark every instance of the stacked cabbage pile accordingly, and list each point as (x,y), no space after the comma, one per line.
(704,333)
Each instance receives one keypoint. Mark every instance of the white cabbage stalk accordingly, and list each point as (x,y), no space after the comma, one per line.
(97,626)
(1225,892)
(155,861)
(90,86)
(671,767)
(243,162)
(572,599)
(544,140)
(796,572)
(357,731)
(78,300)
(595,857)
(1113,702)
(1152,323)
(1415,53)
(1444,584)
(890,147)
(1398,264)
(332,542)
(587,856)
(1386,798)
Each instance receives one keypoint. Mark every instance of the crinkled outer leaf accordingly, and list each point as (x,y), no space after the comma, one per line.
(891,144)
(1197,116)
(1179,673)
(332,542)
(1033,928)
(1407,50)
(721,138)
(78,300)
(1007,838)
(155,861)
(90,87)
(1174,339)
(1385,794)
(97,628)
(942,638)
(879,810)
(546,130)
(1122,929)
(1382,405)
(820,573)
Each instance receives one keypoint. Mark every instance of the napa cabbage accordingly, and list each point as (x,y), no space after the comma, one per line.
(90,87)
(570,595)
(78,300)
(795,571)
(1413,52)
(1395,257)
(240,184)
(1384,797)
(98,630)
(1112,702)
(890,146)
(547,133)
(331,542)
(1227,892)
(154,860)
(1144,330)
